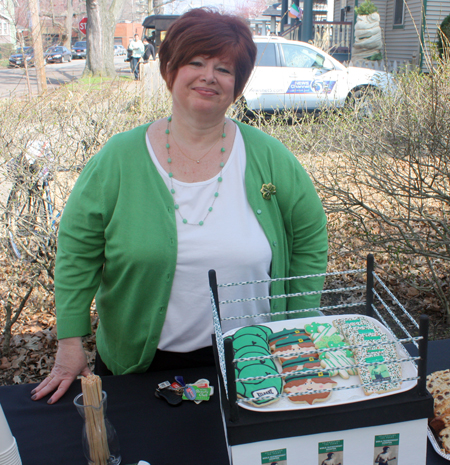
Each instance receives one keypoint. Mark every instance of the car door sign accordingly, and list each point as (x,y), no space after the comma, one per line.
(311,87)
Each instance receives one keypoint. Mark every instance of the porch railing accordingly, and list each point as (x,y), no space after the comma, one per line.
(330,36)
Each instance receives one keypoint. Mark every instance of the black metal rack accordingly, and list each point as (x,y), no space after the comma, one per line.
(418,395)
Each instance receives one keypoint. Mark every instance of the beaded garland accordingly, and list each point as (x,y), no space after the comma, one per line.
(172,189)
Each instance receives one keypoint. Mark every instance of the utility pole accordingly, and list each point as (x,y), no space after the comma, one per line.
(37,46)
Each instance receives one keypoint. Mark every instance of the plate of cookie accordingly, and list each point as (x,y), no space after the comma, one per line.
(318,367)
(438,384)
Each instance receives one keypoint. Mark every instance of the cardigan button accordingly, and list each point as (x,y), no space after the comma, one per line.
(258,212)
(274,243)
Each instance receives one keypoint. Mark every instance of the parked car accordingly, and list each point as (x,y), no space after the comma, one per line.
(119,50)
(79,49)
(17,59)
(57,53)
(296,75)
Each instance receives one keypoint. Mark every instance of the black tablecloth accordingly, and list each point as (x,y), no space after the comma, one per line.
(148,428)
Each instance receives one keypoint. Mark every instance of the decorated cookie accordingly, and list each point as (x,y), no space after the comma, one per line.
(302,387)
(336,340)
(284,334)
(374,336)
(249,340)
(242,364)
(298,363)
(335,360)
(259,388)
(385,377)
(257,350)
(266,363)
(319,331)
(315,365)
(260,331)
(300,349)
(266,329)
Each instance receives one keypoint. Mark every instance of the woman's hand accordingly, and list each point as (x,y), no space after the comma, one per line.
(70,362)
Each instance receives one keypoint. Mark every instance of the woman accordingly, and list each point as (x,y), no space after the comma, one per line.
(162,204)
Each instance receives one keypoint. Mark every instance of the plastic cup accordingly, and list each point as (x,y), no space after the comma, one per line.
(6,437)
(11,455)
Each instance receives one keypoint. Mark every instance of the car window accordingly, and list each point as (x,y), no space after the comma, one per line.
(27,50)
(80,44)
(296,56)
(266,55)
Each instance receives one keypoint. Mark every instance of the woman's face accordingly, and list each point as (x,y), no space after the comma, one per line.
(204,85)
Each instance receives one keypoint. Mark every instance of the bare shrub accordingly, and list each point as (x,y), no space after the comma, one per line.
(44,144)
(385,179)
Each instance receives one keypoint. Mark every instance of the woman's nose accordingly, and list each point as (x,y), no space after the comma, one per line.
(209,74)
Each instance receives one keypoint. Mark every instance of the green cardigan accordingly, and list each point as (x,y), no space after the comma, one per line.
(118,242)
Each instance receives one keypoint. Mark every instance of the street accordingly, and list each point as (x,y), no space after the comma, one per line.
(13,81)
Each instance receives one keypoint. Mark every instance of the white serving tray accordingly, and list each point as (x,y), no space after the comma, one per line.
(344,396)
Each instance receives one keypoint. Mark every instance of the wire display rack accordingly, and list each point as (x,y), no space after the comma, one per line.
(374,295)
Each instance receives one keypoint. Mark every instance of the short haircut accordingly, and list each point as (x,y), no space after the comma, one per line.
(206,32)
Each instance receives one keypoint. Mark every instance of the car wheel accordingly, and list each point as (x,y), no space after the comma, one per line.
(363,101)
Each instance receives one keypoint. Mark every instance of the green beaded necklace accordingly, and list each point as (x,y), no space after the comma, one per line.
(172,190)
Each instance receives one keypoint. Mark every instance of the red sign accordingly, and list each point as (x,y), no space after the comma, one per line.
(82,26)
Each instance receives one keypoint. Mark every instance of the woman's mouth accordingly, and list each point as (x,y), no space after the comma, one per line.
(205,91)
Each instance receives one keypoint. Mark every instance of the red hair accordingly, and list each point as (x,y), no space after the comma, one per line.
(205,32)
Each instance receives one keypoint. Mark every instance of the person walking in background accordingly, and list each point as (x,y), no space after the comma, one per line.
(149,50)
(136,47)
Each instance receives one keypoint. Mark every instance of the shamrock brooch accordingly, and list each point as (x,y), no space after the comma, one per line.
(268,190)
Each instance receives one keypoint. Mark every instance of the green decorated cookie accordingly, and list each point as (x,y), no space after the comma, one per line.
(240,353)
(266,329)
(266,362)
(260,331)
(249,340)
(259,388)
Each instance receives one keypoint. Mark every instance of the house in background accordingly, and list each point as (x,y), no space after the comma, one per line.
(7,23)
(409,27)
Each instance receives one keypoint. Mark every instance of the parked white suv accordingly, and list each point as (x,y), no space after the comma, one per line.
(296,75)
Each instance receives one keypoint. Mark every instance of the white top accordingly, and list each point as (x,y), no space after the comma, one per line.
(231,241)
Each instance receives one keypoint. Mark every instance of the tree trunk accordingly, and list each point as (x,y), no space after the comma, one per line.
(158,7)
(100,37)
(68,23)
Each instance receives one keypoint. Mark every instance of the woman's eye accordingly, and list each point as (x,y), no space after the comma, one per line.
(224,70)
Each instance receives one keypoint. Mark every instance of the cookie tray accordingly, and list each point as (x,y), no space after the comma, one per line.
(344,393)
(436,445)
(248,426)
